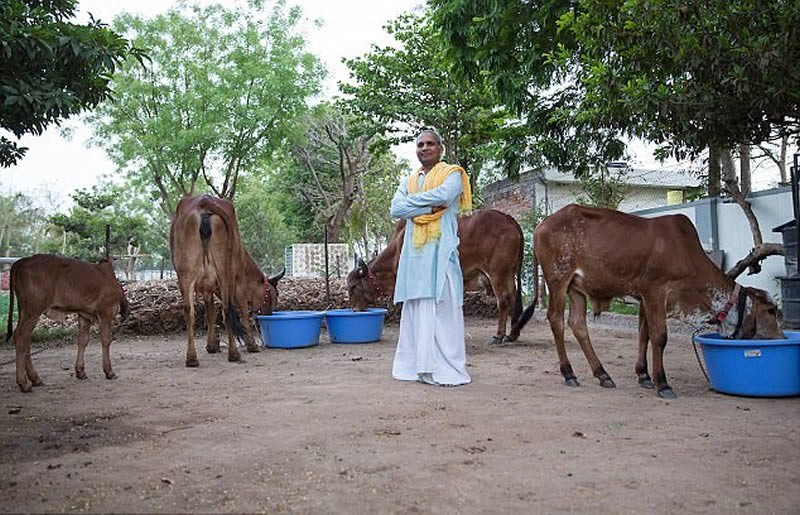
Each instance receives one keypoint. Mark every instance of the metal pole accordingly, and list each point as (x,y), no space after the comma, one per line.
(108,238)
(327,275)
(795,172)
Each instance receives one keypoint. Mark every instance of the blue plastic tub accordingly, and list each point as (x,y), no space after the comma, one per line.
(756,368)
(348,326)
(290,329)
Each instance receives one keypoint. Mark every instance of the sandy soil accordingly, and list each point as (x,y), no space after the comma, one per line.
(326,430)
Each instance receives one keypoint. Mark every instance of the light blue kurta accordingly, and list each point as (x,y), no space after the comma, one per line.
(421,272)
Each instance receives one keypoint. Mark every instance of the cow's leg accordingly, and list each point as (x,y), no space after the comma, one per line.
(502,312)
(577,322)
(187,292)
(27,377)
(250,342)
(212,340)
(657,330)
(555,315)
(105,339)
(641,361)
(83,340)
(505,300)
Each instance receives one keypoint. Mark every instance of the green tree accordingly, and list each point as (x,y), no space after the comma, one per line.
(402,89)
(687,75)
(23,226)
(340,173)
(83,229)
(263,225)
(508,44)
(51,68)
(221,94)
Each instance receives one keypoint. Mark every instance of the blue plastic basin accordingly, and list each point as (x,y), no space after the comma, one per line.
(756,368)
(348,326)
(290,329)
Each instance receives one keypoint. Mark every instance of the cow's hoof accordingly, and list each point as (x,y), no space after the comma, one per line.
(26,388)
(192,363)
(37,382)
(254,348)
(607,382)
(496,340)
(80,374)
(234,358)
(646,382)
(667,393)
(571,381)
(111,375)
(212,349)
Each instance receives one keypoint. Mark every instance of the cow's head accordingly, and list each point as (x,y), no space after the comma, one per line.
(760,317)
(360,287)
(269,293)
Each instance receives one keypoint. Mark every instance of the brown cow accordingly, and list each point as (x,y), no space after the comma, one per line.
(57,286)
(600,254)
(209,257)
(490,243)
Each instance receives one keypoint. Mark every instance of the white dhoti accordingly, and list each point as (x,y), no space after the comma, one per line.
(431,345)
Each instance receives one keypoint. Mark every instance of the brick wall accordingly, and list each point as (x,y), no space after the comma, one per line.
(516,198)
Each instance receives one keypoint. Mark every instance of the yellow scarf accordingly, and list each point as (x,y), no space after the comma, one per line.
(428,227)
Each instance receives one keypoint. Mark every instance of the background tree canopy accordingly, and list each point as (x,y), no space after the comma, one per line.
(219,97)
(683,75)
(51,68)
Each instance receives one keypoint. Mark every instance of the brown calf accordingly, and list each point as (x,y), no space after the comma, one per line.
(57,286)
(490,243)
(600,254)
(209,257)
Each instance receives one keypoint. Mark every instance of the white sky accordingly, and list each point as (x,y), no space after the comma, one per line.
(59,165)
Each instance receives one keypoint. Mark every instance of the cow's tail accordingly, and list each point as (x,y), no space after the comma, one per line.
(10,303)
(234,321)
(518,300)
(516,328)
(205,229)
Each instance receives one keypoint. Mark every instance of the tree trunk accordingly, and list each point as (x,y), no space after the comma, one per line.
(782,162)
(760,249)
(714,175)
(744,170)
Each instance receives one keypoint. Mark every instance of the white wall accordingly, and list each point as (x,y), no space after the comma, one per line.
(771,208)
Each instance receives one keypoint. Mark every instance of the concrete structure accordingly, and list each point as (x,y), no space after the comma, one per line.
(305,260)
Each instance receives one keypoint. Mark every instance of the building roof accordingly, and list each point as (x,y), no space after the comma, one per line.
(653,177)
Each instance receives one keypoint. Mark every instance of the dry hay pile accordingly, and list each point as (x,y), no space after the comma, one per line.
(157,308)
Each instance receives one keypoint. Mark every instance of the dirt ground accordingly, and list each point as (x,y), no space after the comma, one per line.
(326,430)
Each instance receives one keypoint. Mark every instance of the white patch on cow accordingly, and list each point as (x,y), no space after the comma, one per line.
(579,272)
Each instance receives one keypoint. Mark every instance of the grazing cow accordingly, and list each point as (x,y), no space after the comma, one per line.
(57,286)
(490,243)
(209,257)
(599,254)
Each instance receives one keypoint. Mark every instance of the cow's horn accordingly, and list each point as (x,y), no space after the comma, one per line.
(273,279)
(363,268)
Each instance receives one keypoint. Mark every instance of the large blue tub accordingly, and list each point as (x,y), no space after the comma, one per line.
(757,368)
(348,326)
(290,329)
